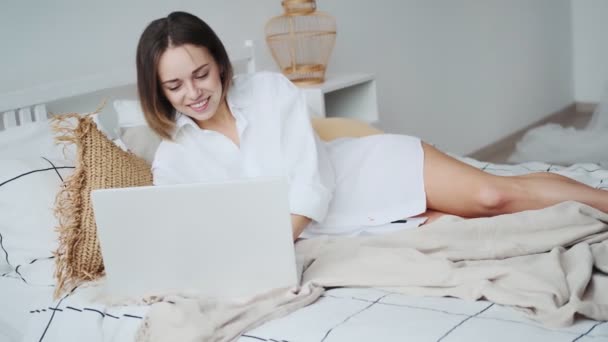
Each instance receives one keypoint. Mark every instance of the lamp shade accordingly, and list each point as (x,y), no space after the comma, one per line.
(301,41)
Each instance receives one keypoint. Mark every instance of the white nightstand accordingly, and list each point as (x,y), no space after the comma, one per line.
(345,95)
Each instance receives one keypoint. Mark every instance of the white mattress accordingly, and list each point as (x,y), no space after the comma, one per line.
(344,314)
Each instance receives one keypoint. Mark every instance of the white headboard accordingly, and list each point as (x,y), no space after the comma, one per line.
(85,95)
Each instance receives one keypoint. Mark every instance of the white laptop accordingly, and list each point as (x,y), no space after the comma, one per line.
(229,239)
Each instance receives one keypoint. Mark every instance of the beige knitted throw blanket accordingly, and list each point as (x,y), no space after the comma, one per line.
(550,263)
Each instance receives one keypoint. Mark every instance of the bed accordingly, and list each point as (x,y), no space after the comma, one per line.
(29,313)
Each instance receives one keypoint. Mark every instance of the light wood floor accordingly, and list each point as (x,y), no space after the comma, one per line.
(500,151)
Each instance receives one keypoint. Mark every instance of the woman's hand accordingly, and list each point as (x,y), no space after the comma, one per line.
(298,223)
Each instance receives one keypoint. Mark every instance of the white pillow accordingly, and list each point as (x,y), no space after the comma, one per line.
(133,130)
(28,188)
(32,140)
(129,113)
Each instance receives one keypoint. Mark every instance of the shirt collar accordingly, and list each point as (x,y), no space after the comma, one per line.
(238,96)
(237,101)
(182,121)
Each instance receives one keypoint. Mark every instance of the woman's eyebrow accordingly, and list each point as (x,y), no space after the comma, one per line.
(199,68)
(193,72)
(170,81)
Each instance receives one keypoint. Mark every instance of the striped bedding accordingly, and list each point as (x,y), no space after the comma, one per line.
(342,314)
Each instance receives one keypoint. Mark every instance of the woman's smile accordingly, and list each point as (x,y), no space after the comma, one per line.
(200,106)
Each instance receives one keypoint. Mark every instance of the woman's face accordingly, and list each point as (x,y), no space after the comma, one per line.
(190,79)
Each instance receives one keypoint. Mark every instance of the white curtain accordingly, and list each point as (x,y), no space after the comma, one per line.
(555,144)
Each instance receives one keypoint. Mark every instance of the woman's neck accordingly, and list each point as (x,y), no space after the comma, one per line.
(221,120)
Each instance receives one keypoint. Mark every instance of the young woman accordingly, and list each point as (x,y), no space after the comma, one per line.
(215,128)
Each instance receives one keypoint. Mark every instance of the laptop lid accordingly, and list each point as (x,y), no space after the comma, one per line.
(227,239)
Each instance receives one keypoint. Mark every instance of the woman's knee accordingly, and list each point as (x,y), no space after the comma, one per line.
(494,197)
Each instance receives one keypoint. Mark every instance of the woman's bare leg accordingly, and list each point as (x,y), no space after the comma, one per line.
(431,215)
(454,187)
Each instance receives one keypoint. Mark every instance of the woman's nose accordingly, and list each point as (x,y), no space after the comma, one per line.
(193,91)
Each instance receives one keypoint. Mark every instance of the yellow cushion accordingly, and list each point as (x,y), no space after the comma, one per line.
(100,164)
(333,128)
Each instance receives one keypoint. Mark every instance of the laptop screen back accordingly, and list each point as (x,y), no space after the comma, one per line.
(223,240)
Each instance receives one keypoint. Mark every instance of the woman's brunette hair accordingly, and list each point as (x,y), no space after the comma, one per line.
(177,29)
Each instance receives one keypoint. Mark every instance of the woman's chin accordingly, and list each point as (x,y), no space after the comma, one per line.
(199,116)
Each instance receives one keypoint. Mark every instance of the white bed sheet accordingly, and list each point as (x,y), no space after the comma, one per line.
(19,291)
(374,315)
(77,317)
(344,314)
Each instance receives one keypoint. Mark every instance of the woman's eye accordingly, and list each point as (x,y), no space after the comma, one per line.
(173,88)
(202,76)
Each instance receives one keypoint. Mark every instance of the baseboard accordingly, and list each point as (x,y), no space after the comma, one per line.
(507,143)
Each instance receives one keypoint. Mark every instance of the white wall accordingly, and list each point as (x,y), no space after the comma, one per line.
(590,24)
(45,41)
(460,74)
(463,73)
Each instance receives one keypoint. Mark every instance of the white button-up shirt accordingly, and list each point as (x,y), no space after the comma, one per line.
(276,139)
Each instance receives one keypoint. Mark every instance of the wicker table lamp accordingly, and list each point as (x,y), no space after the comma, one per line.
(301,41)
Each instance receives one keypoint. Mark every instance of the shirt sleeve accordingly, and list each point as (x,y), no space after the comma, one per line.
(310,172)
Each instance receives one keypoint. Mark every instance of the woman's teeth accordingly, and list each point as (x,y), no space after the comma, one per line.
(200,104)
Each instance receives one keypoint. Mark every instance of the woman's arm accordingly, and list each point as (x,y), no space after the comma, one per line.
(298,223)
(305,160)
